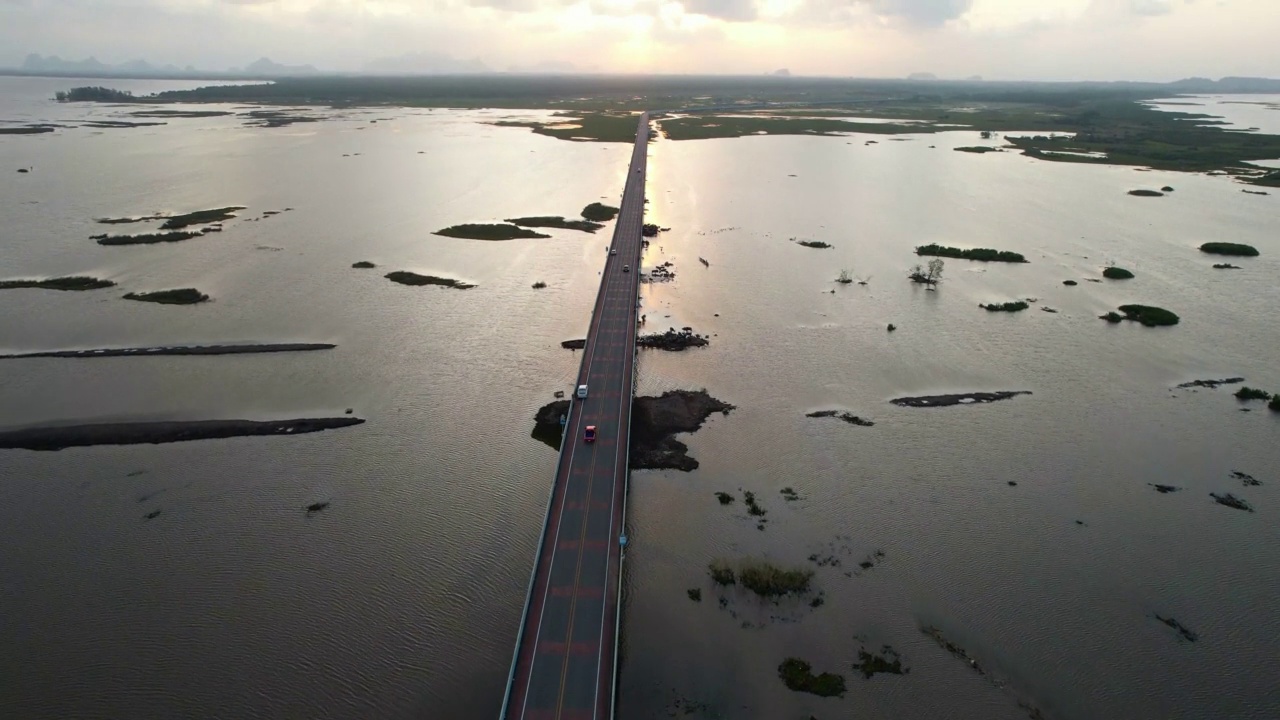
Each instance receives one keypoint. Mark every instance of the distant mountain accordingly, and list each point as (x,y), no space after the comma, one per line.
(782,72)
(265,67)
(53,63)
(425,63)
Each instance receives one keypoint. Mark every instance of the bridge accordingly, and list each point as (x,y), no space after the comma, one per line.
(565,664)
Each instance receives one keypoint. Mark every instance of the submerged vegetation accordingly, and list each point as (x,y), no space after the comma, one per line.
(762,577)
(1226,248)
(73,282)
(604,126)
(489,231)
(1248,393)
(798,676)
(982,254)
(180,296)
(1148,315)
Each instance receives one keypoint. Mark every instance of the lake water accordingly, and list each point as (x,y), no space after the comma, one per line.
(402,598)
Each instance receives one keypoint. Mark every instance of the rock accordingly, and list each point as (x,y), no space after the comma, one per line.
(655,421)
(962,399)
(316,507)
(1070,283)
(892,327)
(1165,489)
(577,344)
(546,423)
(1167,189)
(672,340)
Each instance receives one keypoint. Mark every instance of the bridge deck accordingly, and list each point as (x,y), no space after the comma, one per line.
(565,662)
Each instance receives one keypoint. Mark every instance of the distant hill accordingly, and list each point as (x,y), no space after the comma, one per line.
(1227,85)
(266,68)
(426,63)
(36,64)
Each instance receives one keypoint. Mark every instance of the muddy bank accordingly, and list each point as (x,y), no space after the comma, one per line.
(58,438)
(176,350)
(962,399)
(654,423)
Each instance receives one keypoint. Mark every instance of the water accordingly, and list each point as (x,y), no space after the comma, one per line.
(401,600)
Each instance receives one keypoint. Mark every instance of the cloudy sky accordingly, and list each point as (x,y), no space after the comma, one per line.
(997,39)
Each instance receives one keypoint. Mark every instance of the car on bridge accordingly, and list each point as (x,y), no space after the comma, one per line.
(590,434)
(626,268)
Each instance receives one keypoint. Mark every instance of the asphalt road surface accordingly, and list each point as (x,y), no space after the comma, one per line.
(565,664)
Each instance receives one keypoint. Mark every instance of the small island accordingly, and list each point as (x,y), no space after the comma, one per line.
(176,350)
(1148,315)
(363,265)
(1112,272)
(1226,248)
(1146,193)
(817,244)
(200,217)
(404,277)
(94,94)
(26,130)
(654,423)
(960,399)
(135,433)
(672,340)
(489,231)
(798,676)
(72,282)
(979,149)
(1226,266)
(599,212)
(148,238)
(844,415)
(980,254)
(180,296)
(556,221)
(1009,307)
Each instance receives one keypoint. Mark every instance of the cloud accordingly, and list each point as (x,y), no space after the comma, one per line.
(1151,7)
(924,13)
(734,10)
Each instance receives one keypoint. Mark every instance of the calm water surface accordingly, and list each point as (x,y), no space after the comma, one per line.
(401,600)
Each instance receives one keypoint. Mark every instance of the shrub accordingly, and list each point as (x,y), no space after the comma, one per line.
(798,676)
(1225,248)
(1115,273)
(1248,393)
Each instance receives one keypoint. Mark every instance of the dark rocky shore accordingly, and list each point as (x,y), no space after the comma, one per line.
(962,399)
(654,423)
(136,433)
(176,350)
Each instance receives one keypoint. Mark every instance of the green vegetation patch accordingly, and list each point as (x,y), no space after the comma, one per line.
(489,231)
(94,94)
(981,254)
(1148,315)
(762,577)
(1114,273)
(798,676)
(180,296)
(706,127)
(1274,405)
(556,222)
(1010,307)
(886,661)
(201,217)
(722,572)
(1248,393)
(404,277)
(74,282)
(724,498)
(1226,248)
(979,149)
(599,212)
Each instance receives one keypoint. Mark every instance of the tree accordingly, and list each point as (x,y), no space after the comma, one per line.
(930,276)
(935,271)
